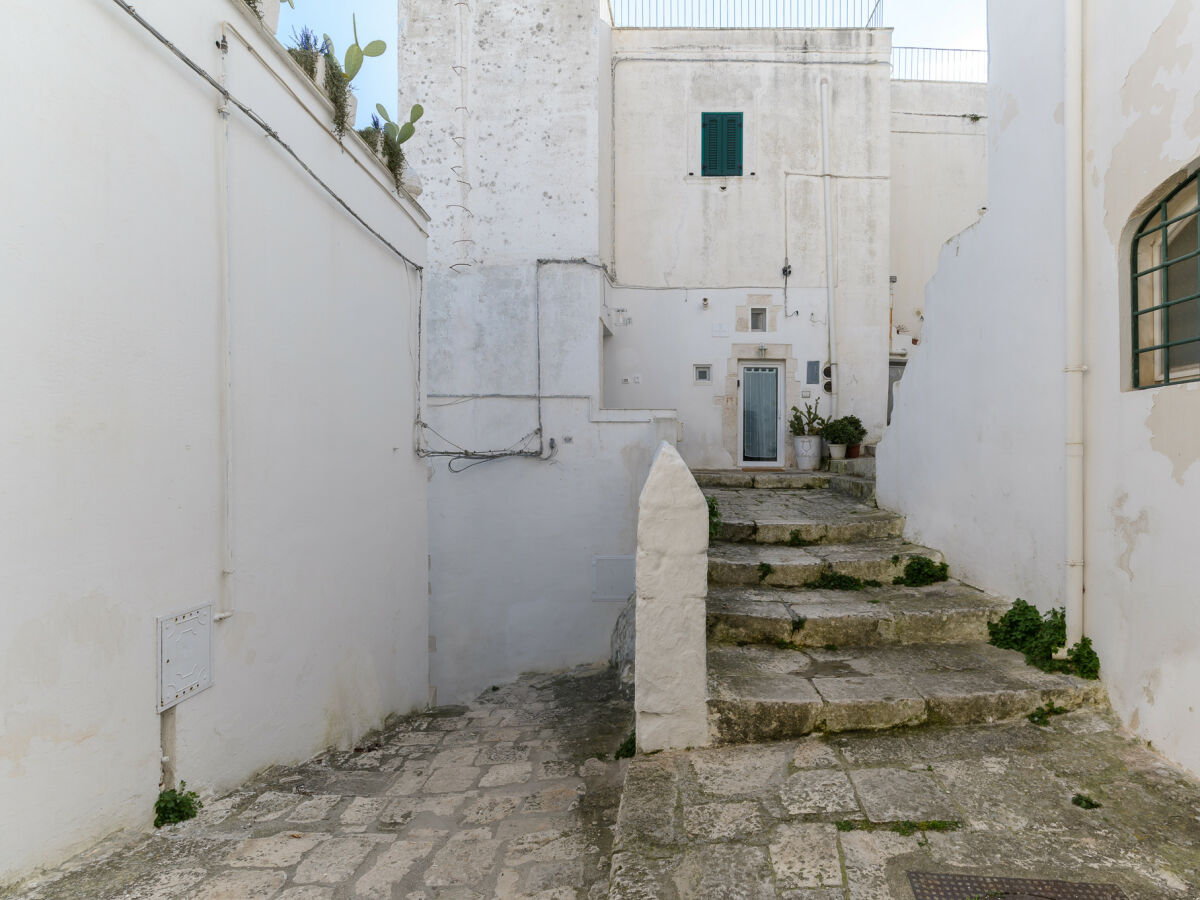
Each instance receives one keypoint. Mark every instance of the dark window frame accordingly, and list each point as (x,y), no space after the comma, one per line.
(1156,225)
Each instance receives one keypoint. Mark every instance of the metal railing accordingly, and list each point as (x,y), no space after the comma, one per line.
(746,13)
(936,64)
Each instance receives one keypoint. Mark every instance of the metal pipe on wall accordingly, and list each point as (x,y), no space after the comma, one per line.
(1075,310)
(830,298)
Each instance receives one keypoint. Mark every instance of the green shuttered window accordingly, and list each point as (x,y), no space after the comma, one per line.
(721,143)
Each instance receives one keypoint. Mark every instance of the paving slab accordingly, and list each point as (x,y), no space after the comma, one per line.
(507,796)
(1004,791)
(780,565)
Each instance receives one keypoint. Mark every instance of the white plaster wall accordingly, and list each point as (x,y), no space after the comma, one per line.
(939,187)
(512,541)
(1143,487)
(974,454)
(675,228)
(958,459)
(111,384)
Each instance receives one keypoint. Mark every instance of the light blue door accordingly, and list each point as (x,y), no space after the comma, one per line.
(760,415)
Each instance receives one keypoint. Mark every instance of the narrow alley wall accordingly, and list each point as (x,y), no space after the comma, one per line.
(209,386)
(974,457)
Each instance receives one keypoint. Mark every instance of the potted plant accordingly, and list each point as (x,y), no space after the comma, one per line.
(806,430)
(839,434)
(855,446)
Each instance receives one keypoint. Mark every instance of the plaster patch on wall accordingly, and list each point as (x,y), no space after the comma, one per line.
(1149,106)
(1174,425)
(1128,529)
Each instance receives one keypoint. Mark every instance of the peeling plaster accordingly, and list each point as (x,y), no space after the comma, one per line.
(1128,529)
(1174,424)
(1149,107)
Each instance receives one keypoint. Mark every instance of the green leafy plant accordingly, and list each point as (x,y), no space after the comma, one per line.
(920,571)
(795,540)
(1041,715)
(846,430)
(1039,636)
(832,648)
(628,747)
(400,133)
(904,826)
(807,423)
(836,581)
(1083,801)
(714,519)
(353,61)
(799,622)
(176,806)
(372,135)
(764,570)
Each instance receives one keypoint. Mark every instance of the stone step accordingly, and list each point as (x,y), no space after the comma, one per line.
(762,693)
(737,478)
(863,466)
(857,486)
(799,517)
(939,613)
(780,565)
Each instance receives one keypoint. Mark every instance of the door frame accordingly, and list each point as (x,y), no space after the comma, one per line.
(781,458)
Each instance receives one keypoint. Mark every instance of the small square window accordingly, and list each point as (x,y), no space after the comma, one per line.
(703,374)
(758,319)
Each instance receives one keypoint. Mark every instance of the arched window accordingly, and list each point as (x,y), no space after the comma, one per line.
(1166,290)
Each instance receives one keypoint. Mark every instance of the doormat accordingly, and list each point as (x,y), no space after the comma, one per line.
(929,886)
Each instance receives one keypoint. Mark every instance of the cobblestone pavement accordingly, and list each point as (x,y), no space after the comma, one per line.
(762,821)
(502,798)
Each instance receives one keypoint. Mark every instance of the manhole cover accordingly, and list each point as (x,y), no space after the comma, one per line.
(928,886)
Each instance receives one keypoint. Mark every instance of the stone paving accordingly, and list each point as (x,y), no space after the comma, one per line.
(507,797)
(772,516)
(809,819)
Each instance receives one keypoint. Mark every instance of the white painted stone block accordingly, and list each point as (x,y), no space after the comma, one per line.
(670,672)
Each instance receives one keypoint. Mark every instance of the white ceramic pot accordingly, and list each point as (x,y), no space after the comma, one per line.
(837,451)
(808,451)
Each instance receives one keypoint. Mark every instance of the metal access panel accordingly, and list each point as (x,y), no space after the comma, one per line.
(936,886)
(612,577)
(184,655)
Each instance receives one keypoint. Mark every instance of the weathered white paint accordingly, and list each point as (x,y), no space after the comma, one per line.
(512,541)
(727,239)
(113,451)
(973,456)
(939,187)
(670,667)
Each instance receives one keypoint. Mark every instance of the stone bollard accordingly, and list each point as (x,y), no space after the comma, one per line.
(670,669)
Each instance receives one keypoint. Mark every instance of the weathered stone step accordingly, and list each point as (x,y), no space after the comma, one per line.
(939,613)
(760,693)
(736,478)
(779,565)
(857,486)
(799,516)
(863,466)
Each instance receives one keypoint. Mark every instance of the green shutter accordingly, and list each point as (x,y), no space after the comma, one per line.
(721,143)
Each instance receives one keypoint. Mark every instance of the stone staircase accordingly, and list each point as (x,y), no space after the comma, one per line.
(785,660)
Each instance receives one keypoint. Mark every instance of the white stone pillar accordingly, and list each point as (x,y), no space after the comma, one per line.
(670,669)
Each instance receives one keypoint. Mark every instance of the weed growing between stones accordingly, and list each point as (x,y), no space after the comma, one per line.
(1041,715)
(795,540)
(904,827)
(714,519)
(836,581)
(628,747)
(1038,636)
(832,648)
(920,571)
(799,622)
(176,806)
(1083,801)
(764,570)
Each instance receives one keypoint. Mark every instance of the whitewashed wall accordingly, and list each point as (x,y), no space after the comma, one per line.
(974,455)
(517,170)
(727,238)
(111,381)
(939,187)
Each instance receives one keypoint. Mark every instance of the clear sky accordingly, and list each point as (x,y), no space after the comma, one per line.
(960,24)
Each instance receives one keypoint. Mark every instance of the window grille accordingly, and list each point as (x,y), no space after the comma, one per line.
(1165,268)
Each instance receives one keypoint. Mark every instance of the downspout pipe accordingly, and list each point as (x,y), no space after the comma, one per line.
(1075,310)
(831,306)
